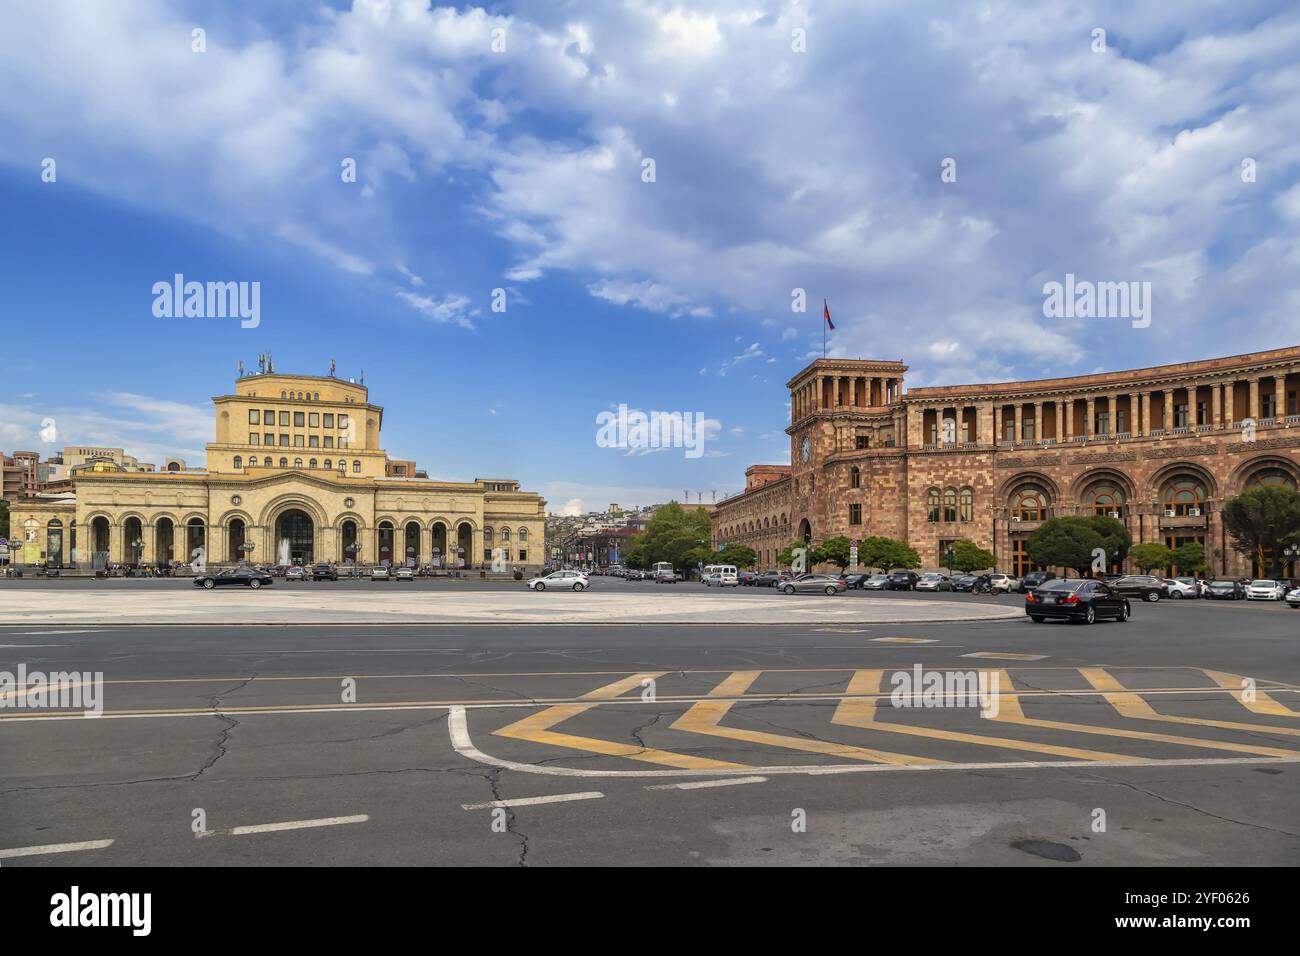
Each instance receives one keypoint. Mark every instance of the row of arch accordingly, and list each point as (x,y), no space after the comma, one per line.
(268,462)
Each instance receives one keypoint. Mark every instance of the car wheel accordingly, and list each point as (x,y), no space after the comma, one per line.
(788,589)
(1036,618)
(1153,596)
(209,584)
(578,586)
(254,584)
(1176,595)
(1089,615)
(830,590)
(539,586)
(1125,612)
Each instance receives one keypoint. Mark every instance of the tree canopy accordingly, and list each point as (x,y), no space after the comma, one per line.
(1261,520)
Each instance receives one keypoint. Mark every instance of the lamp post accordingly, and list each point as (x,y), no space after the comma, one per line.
(137,546)
(246,549)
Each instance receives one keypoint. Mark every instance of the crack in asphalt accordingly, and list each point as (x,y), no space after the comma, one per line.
(219,748)
(1189,806)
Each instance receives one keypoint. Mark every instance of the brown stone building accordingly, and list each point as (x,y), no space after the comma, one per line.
(1159,448)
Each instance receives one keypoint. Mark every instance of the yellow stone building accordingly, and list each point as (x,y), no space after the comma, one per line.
(297,473)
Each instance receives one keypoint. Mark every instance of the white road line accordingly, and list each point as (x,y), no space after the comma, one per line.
(533,801)
(88,630)
(701,784)
(54,848)
(288,825)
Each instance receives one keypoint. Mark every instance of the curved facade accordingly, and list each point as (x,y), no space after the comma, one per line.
(1160,449)
(297,473)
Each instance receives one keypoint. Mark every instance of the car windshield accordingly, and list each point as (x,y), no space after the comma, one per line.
(1263,584)
(1060,584)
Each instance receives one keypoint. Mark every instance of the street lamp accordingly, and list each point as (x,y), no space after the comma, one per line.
(246,549)
(137,546)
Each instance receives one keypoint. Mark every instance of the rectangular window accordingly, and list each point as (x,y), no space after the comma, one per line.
(487,554)
(862,441)
(299,419)
(343,421)
(523,555)
(855,514)
(1180,416)
(254,438)
(254,417)
(284,441)
(329,419)
(329,441)
(313,441)
(284,419)
(268,417)
(299,441)
(314,419)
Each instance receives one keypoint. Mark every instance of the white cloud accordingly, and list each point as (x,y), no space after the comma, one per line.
(450,309)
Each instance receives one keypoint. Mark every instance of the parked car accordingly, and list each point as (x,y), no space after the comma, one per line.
(902,581)
(934,581)
(324,572)
(571,580)
(633,574)
(1262,589)
(1225,591)
(814,584)
(769,579)
(1035,579)
(1198,585)
(721,575)
(404,574)
(1146,586)
(380,573)
(963,582)
(854,581)
(877,582)
(1179,589)
(747,578)
(1003,583)
(1076,599)
(244,577)
(295,573)
(1293,598)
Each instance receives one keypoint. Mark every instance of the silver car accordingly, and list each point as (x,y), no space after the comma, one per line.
(570,580)
(933,581)
(814,584)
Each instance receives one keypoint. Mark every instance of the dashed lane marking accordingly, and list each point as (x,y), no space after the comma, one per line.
(534,801)
(1007,657)
(905,640)
(54,848)
(705,784)
(287,825)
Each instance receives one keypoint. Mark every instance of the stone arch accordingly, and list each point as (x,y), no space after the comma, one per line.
(1242,475)
(1166,473)
(1008,485)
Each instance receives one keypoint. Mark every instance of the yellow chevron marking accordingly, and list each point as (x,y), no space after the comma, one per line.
(862,713)
(536,728)
(1262,704)
(705,716)
(1010,712)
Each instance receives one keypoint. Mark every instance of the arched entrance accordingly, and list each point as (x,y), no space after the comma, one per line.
(295,537)
(464,546)
(99,543)
(411,546)
(195,538)
(235,540)
(440,555)
(385,542)
(350,546)
(163,540)
(54,543)
(805,531)
(132,540)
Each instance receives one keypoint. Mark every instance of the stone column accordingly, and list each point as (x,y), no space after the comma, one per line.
(1060,421)
(1216,405)
(1253,404)
(997,424)
(1279,411)
(853,390)
(1229,400)
(1019,432)
(1089,423)
(1068,405)
(150,534)
(1169,410)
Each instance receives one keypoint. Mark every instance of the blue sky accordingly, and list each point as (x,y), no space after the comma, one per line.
(521,169)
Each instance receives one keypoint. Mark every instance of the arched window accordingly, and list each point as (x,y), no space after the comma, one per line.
(505,535)
(1029,503)
(284,462)
(283,393)
(312,464)
(267,463)
(356,466)
(297,463)
(1183,496)
(487,537)
(329,465)
(966,506)
(932,505)
(855,477)
(523,535)
(1271,478)
(1105,498)
(239,461)
(950,504)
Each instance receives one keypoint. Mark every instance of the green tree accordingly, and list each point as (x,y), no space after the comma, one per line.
(787,555)
(670,533)
(698,556)
(1190,557)
(1262,518)
(741,555)
(967,556)
(1150,555)
(887,553)
(1067,542)
(1115,537)
(832,551)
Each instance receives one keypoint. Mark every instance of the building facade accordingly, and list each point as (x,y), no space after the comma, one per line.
(297,473)
(1161,449)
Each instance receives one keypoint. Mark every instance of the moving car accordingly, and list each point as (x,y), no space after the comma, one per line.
(380,573)
(877,582)
(1076,599)
(1035,579)
(324,572)
(1146,586)
(295,573)
(1225,591)
(1263,589)
(246,577)
(813,584)
(1293,598)
(404,574)
(934,581)
(901,581)
(571,580)
(1003,583)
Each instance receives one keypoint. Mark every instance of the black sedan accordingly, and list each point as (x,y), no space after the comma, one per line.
(902,581)
(964,582)
(1076,599)
(854,581)
(1225,591)
(1035,579)
(246,577)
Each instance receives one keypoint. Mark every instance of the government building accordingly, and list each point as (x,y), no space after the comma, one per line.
(1161,449)
(297,473)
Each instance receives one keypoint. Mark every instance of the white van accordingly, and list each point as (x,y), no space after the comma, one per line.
(723,575)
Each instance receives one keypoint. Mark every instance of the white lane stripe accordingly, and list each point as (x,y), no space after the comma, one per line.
(701,784)
(287,825)
(47,633)
(534,801)
(54,848)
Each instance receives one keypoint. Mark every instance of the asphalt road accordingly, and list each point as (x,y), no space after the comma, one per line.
(759,745)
